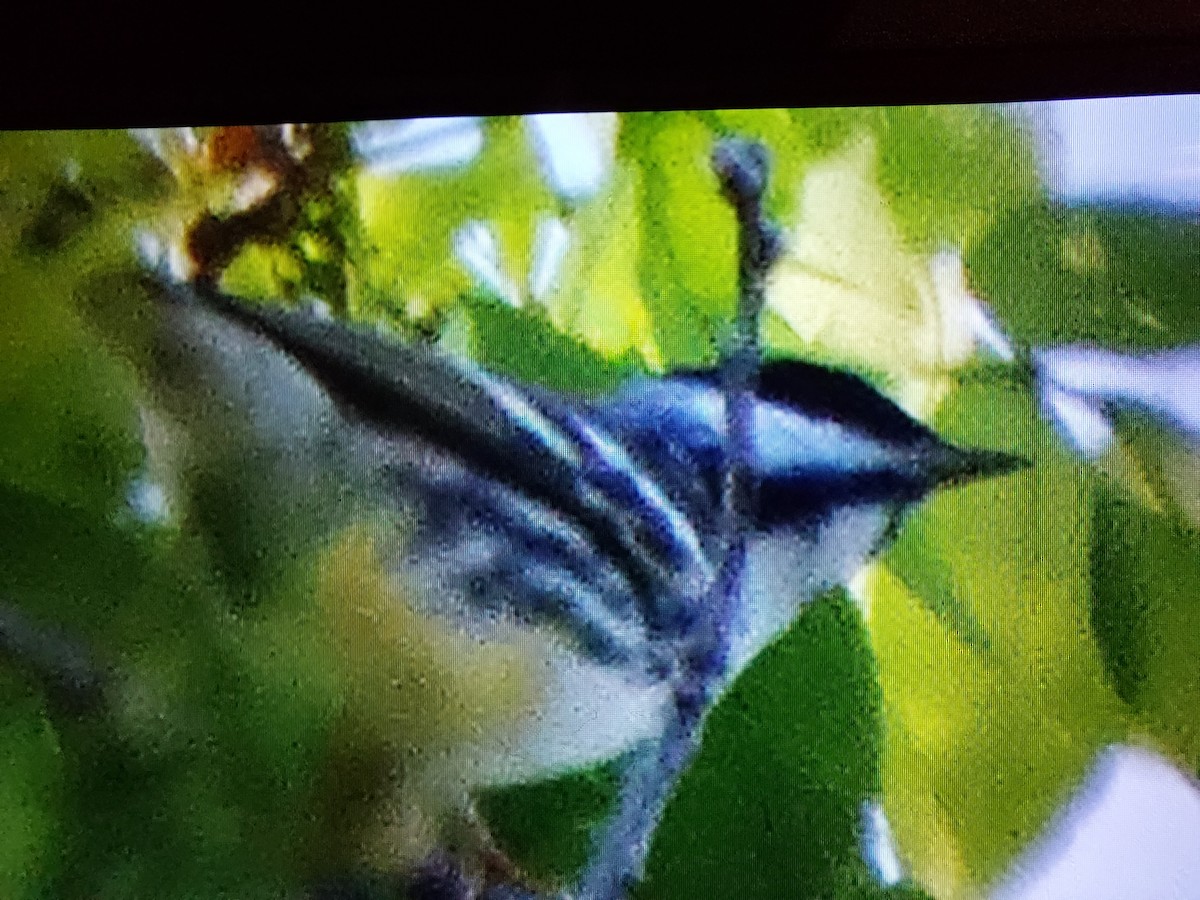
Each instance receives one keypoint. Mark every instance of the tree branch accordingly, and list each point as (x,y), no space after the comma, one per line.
(656,767)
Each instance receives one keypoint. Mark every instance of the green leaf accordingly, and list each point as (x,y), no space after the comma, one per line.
(688,257)
(549,826)
(987,737)
(32,792)
(1146,615)
(525,345)
(950,171)
(599,298)
(770,808)
(262,272)
(1122,279)
(771,804)
(930,577)
(404,254)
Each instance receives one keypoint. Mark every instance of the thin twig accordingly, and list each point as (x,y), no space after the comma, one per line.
(656,767)
(742,167)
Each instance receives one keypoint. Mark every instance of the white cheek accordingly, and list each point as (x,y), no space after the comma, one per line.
(785,571)
(783,439)
(849,539)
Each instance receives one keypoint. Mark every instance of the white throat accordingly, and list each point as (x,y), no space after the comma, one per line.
(785,570)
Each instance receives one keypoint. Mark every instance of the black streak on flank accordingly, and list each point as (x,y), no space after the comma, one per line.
(401,386)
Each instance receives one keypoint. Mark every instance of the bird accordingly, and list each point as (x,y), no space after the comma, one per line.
(506,572)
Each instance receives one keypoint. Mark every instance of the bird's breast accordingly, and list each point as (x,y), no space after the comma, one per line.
(785,569)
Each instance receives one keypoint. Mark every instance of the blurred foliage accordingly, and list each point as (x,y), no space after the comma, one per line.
(1115,277)
(1016,627)
(990,725)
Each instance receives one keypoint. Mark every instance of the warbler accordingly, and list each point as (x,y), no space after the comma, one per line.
(506,570)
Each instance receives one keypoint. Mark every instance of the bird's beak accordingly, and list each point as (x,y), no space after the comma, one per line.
(951,466)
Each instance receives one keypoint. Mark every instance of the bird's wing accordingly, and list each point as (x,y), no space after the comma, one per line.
(566,523)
